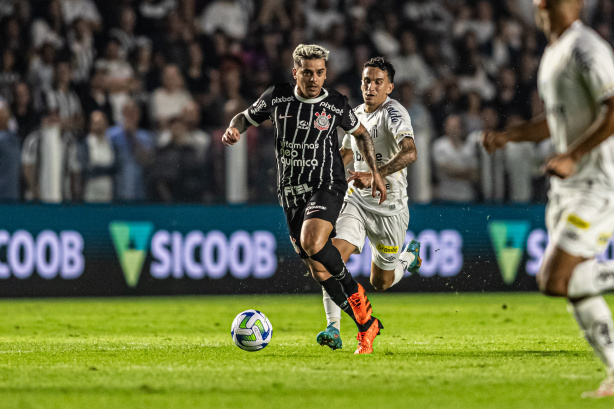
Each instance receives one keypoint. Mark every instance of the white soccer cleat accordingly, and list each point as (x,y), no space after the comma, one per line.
(605,389)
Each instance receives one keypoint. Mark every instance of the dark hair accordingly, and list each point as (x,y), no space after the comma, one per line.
(383,64)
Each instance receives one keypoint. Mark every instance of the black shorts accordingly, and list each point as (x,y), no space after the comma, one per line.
(323,204)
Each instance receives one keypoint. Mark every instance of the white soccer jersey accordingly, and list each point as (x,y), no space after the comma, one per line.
(388,125)
(576,75)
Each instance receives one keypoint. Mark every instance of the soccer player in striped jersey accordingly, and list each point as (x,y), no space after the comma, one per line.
(311,178)
(385,225)
(576,84)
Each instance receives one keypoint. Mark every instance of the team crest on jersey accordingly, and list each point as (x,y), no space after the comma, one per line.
(322,121)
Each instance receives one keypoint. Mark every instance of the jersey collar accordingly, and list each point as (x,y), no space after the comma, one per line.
(364,107)
(312,100)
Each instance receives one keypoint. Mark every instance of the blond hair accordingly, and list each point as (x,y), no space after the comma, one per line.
(309,52)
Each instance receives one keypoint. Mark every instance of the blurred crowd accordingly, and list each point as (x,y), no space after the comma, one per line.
(126,100)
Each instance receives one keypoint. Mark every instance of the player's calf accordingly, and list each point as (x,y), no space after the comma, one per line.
(382,281)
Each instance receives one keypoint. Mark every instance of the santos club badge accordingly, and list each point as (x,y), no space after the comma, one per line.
(322,122)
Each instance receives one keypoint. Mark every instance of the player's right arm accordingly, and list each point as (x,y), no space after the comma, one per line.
(238,125)
(535,130)
(254,115)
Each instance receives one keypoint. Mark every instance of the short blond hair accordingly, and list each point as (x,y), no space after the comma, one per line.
(309,52)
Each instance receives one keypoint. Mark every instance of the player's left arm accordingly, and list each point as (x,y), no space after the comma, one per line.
(365,146)
(593,60)
(408,154)
(564,165)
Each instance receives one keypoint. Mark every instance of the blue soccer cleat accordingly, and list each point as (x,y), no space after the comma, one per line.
(330,337)
(410,257)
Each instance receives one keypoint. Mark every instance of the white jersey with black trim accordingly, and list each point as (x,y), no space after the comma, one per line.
(387,125)
(576,75)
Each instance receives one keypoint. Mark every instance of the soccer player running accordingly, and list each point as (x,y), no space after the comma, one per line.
(576,84)
(362,216)
(311,178)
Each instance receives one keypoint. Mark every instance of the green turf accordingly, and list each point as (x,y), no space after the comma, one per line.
(437,351)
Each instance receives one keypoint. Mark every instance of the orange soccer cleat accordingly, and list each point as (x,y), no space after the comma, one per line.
(360,305)
(365,338)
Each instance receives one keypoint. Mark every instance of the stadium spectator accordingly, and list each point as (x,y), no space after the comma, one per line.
(125,33)
(385,36)
(96,98)
(419,174)
(98,162)
(26,117)
(177,172)
(81,9)
(319,19)
(174,44)
(151,16)
(9,157)
(41,72)
(83,52)
(455,164)
(170,99)
(50,164)
(9,75)
(119,77)
(411,66)
(492,178)
(62,99)
(50,27)
(134,150)
(232,17)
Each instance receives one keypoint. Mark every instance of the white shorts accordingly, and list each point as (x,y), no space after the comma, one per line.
(580,222)
(386,233)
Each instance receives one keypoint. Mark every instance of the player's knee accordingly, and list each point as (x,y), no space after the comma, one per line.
(380,283)
(313,245)
(551,286)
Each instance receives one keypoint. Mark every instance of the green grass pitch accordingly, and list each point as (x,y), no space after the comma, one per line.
(436,351)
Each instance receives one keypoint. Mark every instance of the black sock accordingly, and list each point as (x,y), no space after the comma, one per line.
(333,288)
(331,259)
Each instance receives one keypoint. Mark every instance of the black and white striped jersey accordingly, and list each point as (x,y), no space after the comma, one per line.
(306,144)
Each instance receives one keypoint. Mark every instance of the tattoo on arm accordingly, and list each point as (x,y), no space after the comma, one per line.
(365,145)
(239,122)
(402,159)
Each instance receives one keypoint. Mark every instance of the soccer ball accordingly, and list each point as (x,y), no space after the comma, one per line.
(251,330)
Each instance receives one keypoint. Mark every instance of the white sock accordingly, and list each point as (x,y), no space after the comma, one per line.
(595,320)
(333,312)
(399,273)
(591,278)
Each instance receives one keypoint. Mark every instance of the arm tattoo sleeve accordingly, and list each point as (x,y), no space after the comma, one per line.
(365,146)
(239,122)
(401,160)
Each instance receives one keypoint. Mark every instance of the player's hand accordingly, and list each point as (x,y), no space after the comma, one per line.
(561,165)
(362,180)
(231,136)
(378,184)
(492,140)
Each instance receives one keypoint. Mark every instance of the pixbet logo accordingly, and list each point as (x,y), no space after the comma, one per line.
(193,255)
(279,100)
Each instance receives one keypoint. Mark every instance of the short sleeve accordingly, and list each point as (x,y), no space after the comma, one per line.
(594,61)
(259,111)
(398,121)
(347,141)
(349,121)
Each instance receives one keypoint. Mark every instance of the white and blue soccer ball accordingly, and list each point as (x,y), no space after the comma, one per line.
(251,330)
